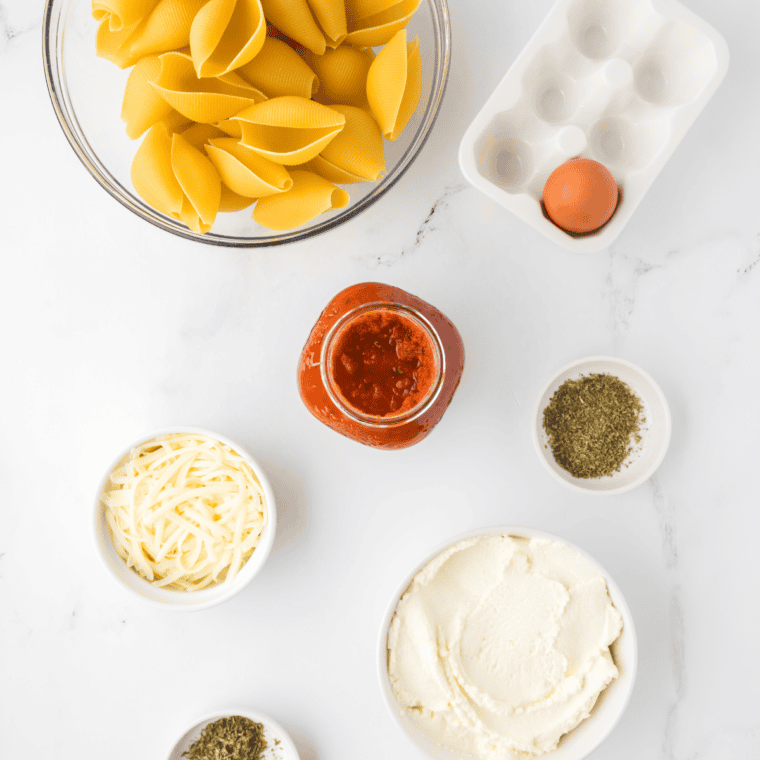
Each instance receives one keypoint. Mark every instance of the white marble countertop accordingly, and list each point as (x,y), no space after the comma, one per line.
(111,328)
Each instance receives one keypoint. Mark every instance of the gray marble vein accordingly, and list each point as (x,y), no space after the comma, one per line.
(667,518)
(429,224)
(678,671)
(113,328)
(11,31)
(746,271)
(620,286)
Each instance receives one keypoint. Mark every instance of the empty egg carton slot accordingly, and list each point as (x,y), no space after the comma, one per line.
(623,146)
(601,29)
(555,98)
(595,27)
(519,156)
(677,67)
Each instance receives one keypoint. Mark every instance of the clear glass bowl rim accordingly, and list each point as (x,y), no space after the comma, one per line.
(53,66)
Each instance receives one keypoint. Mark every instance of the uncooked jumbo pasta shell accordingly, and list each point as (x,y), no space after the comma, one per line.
(343,75)
(289,130)
(111,44)
(230,201)
(359,9)
(294,19)
(378,29)
(204,100)
(121,13)
(225,35)
(246,172)
(358,149)
(278,70)
(142,106)
(394,84)
(310,196)
(198,135)
(176,122)
(176,179)
(331,15)
(231,127)
(199,182)
(329,171)
(152,173)
(166,28)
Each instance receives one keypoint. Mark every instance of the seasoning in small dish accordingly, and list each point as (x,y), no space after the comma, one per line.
(593,424)
(232,738)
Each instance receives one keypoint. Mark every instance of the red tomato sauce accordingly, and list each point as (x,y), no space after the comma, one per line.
(383,363)
(351,385)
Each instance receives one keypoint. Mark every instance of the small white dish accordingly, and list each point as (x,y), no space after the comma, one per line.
(168,599)
(655,435)
(273,732)
(586,737)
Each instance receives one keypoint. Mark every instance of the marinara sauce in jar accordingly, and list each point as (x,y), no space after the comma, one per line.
(380,366)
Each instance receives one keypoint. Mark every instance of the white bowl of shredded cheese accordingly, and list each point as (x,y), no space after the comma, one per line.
(184,518)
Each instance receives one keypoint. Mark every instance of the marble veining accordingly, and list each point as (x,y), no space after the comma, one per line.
(667,519)
(11,30)
(429,225)
(111,328)
(677,639)
(621,284)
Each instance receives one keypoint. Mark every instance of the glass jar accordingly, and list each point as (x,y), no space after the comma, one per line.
(380,366)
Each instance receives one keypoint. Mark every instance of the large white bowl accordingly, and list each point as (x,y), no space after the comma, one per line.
(273,731)
(583,739)
(137,586)
(655,437)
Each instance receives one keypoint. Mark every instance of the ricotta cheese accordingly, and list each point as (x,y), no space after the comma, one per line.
(500,645)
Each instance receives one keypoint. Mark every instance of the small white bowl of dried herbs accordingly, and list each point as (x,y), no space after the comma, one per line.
(235,735)
(601,425)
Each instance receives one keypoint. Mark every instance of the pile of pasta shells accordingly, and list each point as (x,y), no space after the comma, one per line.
(272,102)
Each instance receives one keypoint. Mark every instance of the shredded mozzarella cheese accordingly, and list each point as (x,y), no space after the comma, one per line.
(185,511)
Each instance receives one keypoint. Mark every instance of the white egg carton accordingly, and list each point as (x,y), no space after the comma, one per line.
(619,81)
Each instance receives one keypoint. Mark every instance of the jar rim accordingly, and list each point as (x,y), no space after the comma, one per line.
(373,420)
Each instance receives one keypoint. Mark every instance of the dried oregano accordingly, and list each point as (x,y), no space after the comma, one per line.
(233,738)
(592,424)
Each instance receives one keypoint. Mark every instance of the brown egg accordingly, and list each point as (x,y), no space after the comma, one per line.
(580,196)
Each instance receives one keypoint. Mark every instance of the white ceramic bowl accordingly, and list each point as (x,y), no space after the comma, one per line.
(273,731)
(583,739)
(655,437)
(140,588)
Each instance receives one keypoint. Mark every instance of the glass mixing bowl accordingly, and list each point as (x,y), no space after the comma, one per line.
(86,92)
